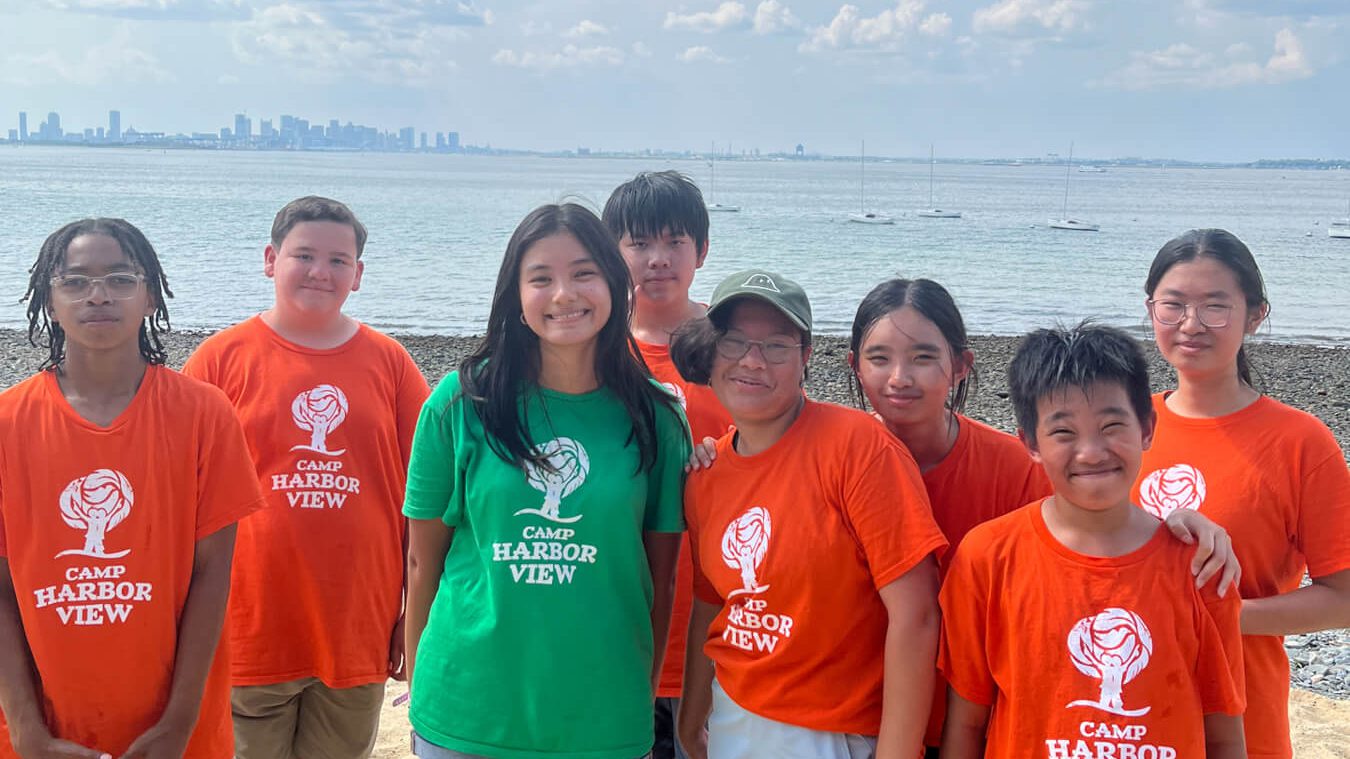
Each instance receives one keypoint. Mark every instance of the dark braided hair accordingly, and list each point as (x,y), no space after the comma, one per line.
(45,333)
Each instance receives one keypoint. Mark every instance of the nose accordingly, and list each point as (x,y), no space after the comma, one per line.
(1091,448)
(1190,320)
(98,292)
(754,357)
(900,376)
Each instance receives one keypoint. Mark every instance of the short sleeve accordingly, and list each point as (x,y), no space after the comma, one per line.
(1324,510)
(433,470)
(962,651)
(704,590)
(412,393)
(200,365)
(665,481)
(227,482)
(887,505)
(1219,670)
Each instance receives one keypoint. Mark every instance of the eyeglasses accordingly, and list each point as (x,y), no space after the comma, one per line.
(734,348)
(118,286)
(1172,313)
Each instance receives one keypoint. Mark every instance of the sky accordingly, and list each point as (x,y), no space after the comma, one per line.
(1208,80)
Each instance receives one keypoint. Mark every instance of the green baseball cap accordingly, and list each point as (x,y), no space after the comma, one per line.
(776,290)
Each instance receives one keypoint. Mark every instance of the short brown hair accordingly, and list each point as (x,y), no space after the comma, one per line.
(315,208)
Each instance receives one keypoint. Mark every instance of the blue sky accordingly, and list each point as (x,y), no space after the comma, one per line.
(1191,79)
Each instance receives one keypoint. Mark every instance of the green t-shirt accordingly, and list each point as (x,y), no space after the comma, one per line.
(539,641)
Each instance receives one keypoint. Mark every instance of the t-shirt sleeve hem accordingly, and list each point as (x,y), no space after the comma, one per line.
(1328,568)
(897,570)
(983,698)
(422,505)
(211,527)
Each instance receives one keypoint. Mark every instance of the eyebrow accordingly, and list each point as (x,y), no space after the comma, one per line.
(546,267)
(118,268)
(1210,294)
(1108,411)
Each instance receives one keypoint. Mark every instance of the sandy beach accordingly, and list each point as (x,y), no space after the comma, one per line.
(1311,378)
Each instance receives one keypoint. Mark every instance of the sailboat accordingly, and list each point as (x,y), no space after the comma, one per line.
(1065,221)
(712,185)
(863,216)
(932,211)
(1340,227)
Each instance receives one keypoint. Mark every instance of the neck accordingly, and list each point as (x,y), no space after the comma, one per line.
(929,441)
(656,322)
(569,369)
(318,332)
(758,437)
(1110,532)
(1211,395)
(101,377)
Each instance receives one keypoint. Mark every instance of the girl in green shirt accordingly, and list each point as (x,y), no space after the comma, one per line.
(544,499)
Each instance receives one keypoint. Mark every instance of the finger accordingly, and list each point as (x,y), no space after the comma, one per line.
(1203,551)
(1232,570)
(1180,531)
(76,751)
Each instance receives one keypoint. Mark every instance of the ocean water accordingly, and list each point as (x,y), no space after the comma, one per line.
(439,225)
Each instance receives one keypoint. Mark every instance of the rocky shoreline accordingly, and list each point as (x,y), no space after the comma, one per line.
(1315,379)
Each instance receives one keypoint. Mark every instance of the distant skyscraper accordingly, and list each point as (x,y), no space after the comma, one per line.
(243,129)
(13,135)
(440,140)
(405,138)
(23,125)
(424,140)
(454,142)
(102,136)
(88,134)
(53,127)
(265,130)
(114,126)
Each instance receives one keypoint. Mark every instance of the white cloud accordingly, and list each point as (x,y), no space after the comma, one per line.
(936,25)
(336,41)
(728,15)
(772,17)
(886,31)
(641,50)
(1182,65)
(701,54)
(114,61)
(570,56)
(1015,17)
(586,28)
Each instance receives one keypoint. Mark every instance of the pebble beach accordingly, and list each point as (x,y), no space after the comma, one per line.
(1315,379)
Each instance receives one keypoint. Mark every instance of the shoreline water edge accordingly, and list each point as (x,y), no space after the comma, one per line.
(1313,378)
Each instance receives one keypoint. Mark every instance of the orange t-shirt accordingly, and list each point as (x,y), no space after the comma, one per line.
(985,475)
(1087,656)
(318,573)
(707,418)
(794,544)
(1274,478)
(100,525)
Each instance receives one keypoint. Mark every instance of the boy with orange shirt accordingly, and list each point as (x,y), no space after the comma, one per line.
(328,406)
(661,223)
(1072,626)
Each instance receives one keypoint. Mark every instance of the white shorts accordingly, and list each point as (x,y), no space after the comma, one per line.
(734,733)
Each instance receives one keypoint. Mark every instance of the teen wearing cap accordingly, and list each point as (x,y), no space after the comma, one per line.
(813,548)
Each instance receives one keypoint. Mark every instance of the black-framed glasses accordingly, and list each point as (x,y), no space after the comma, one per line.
(118,286)
(1174,312)
(734,348)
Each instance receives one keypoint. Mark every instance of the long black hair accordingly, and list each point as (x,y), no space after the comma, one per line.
(505,365)
(932,301)
(1222,246)
(45,333)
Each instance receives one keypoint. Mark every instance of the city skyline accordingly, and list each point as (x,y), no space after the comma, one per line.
(1202,80)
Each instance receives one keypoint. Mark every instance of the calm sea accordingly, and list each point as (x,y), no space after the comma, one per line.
(439,224)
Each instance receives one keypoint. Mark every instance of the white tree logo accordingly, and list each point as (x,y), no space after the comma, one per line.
(319,412)
(743,547)
(1113,646)
(96,503)
(762,282)
(1176,487)
(567,468)
(678,392)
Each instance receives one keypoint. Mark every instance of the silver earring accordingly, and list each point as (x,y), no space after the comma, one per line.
(522,319)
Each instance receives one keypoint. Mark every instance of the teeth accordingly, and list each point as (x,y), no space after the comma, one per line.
(568,316)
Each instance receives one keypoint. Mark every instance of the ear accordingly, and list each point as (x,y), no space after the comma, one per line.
(962,365)
(852,360)
(702,256)
(360,269)
(269,260)
(1255,319)
(1150,428)
(1029,442)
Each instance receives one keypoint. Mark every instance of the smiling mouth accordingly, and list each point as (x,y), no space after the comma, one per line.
(1096,472)
(570,316)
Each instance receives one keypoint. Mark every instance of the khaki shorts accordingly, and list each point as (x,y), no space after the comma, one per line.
(305,719)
